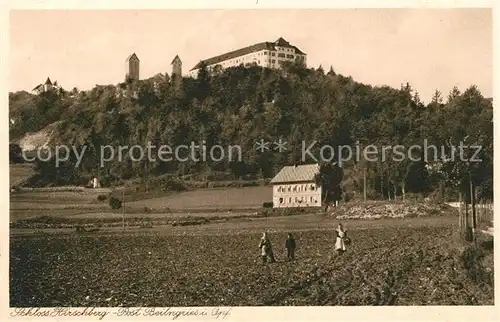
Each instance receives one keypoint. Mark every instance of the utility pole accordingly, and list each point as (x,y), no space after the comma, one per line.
(473,205)
(123,209)
(460,214)
(364,183)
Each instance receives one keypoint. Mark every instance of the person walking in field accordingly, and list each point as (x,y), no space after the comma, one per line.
(290,247)
(340,241)
(266,249)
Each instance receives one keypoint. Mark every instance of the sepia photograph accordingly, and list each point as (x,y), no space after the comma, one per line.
(249,158)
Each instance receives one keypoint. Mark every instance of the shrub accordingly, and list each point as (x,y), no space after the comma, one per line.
(174,184)
(267,205)
(115,203)
(102,197)
(471,259)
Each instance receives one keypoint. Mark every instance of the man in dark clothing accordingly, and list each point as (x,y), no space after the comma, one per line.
(290,247)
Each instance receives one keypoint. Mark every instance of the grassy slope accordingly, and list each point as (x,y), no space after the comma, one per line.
(20,173)
(216,198)
(37,203)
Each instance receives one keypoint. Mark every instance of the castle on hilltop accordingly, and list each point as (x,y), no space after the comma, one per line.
(45,87)
(132,67)
(265,54)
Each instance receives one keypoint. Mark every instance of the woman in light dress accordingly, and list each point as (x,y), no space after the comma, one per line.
(340,241)
(266,249)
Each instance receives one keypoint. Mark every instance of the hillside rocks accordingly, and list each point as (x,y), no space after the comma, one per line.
(40,139)
(377,210)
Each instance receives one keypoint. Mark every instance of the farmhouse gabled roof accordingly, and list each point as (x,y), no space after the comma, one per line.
(247,50)
(133,56)
(299,173)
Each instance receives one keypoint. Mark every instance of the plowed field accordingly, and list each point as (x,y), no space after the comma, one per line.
(385,265)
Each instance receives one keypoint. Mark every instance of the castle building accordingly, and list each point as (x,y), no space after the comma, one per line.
(47,86)
(264,54)
(176,66)
(132,67)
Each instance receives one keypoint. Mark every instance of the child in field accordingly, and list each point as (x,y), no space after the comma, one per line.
(341,236)
(290,247)
(266,248)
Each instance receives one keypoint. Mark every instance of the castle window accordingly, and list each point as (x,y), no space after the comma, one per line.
(273,54)
(281,200)
(281,55)
(273,61)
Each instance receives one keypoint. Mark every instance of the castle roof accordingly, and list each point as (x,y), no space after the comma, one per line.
(48,82)
(299,173)
(133,56)
(176,58)
(248,50)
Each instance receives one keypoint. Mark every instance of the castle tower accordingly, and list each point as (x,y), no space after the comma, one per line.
(132,67)
(48,85)
(177,67)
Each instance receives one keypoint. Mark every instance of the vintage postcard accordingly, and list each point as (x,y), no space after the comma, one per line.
(249,162)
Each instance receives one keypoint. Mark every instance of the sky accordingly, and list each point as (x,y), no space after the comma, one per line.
(429,48)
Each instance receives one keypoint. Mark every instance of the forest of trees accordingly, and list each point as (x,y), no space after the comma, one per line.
(239,106)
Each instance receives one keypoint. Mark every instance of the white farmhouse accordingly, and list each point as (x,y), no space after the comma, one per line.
(294,186)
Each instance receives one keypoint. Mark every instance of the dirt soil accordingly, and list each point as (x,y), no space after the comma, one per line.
(390,262)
